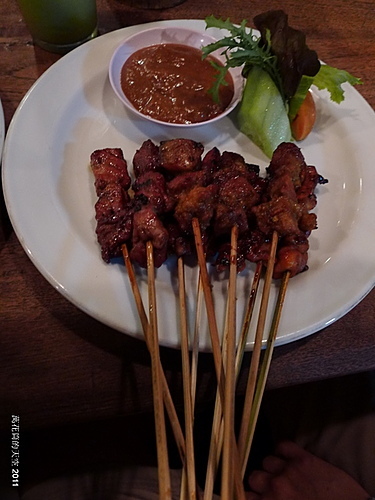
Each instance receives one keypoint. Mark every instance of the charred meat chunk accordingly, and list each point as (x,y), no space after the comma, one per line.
(289,259)
(198,203)
(235,199)
(112,235)
(223,257)
(180,155)
(148,227)
(150,188)
(211,162)
(179,242)
(257,246)
(112,204)
(146,158)
(287,159)
(305,193)
(279,214)
(183,183)
(109,166)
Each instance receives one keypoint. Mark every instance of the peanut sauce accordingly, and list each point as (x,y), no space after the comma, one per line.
(171,82)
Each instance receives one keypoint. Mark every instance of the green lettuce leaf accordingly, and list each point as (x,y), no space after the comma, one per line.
(294,57)
(300,95)
(331,79)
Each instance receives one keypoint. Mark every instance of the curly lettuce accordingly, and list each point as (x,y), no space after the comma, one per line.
(281,53)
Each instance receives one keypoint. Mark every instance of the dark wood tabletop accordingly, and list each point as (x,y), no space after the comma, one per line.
(59,365)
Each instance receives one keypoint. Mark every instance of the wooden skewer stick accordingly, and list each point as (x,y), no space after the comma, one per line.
(215,343)
(169,405)
(253,371)
(217,425)
(265,368)
(207,292)
(215,449)
(189,465)
(196,338)
(230,376)
(161,435)
(248,316)
(193,373)
(217,430)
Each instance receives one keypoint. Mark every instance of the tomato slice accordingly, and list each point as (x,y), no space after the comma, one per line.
(304,120)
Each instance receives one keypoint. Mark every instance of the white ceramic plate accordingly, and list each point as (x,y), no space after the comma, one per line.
(72,110)
(154,36)
(2,129)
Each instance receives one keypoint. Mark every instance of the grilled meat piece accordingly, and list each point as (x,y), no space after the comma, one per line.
(235,199)
(179,242)
(281,185)
(146,158)
(280,214)
(222,262)
(183,183)
(114,215)
(112,235)
(305,193)
(289,259)
(199,202)
(109,166)
(257,246)
(180,155)
(112,204)
(148,227)
(150,188)
(211,162)
(287,159)
(173,185)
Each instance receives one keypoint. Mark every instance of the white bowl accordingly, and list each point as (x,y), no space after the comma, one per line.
(154,36)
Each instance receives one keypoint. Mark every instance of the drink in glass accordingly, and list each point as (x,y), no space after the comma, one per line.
(60,25)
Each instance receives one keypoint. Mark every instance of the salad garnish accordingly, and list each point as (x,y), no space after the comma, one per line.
(279,69)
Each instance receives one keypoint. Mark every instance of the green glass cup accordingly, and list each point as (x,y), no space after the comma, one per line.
(60,25)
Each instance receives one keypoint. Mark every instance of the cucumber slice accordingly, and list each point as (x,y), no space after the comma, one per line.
(262,114)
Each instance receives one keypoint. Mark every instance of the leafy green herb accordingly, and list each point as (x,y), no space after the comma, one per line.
(281,53)
(242,48)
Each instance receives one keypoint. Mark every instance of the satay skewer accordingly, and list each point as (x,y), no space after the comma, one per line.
(216,348)
(230,376)
(189,465)
(207,292)
(169,405)
(254,365)
(248,316)
(193,375)
(175,424)
(160,428)
(196,339)
(265,369)
(217,424)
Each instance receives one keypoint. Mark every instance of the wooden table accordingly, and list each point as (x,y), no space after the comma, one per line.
(58,365)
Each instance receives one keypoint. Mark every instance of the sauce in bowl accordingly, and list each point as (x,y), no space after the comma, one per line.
(170,82)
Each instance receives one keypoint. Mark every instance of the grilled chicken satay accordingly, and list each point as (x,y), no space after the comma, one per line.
(175,183)
(288,200)
(114,208)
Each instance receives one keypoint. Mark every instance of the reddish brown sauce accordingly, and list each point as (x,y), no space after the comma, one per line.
(170,82)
